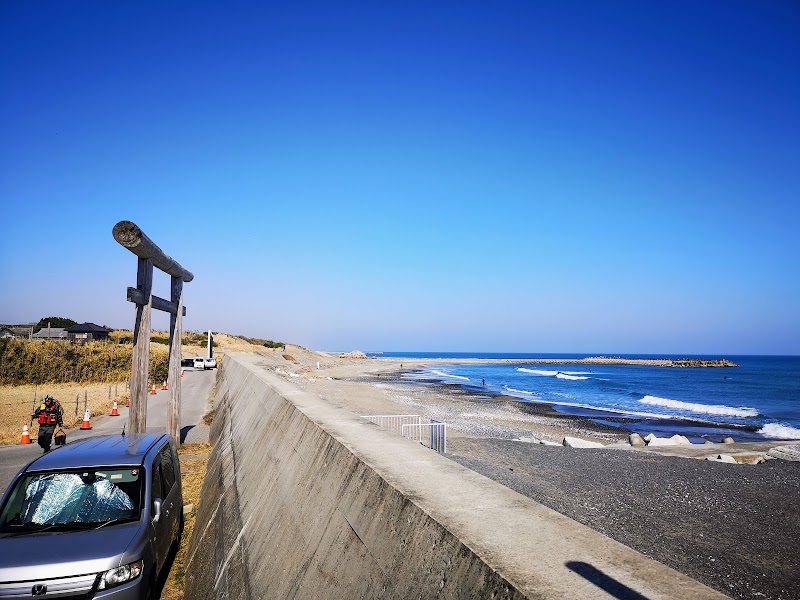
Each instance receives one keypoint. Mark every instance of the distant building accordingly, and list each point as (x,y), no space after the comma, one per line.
(87,332)
(16,331)
(51,333)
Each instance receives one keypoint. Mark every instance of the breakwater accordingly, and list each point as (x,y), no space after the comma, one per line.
(684,363)
(306,500)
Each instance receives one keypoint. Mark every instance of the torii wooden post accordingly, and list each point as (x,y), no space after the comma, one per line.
(130,236)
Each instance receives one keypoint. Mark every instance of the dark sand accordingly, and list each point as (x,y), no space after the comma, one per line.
(735,528)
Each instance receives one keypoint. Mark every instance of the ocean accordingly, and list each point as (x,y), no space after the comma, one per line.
(756,401)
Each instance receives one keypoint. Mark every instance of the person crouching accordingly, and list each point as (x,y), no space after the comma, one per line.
(48,415)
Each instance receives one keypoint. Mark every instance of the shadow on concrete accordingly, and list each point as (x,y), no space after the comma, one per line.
(604,582)
(185,431)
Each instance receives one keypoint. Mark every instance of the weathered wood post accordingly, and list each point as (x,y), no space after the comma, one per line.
(130,236)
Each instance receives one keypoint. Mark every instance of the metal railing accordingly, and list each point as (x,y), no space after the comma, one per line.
(436,438)
(412,427)
(393,423)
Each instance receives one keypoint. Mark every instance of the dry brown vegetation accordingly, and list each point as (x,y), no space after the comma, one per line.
(16,404)
(194,461)
(46,361)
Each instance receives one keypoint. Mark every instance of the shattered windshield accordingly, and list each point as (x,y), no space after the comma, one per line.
(80,499)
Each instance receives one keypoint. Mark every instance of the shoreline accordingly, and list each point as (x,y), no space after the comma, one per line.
(730,526)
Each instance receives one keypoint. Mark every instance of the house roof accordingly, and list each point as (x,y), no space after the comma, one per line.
(55,332)
(88,328)
(19,330)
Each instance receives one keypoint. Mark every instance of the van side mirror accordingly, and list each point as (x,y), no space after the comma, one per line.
(156,510)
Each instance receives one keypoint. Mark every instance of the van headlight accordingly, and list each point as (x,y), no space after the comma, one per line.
(120,575)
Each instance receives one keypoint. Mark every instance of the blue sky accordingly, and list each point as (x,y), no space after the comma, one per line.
(514,176)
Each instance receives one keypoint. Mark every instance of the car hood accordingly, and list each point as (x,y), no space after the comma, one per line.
(64,554)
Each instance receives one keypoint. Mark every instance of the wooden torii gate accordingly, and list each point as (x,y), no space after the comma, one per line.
(130,236)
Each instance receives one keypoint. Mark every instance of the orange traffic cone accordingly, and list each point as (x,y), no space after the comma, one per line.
(26,435)
(87,423)
(114,410)
(129,402)
(164,385)
(153,391)
(181,372)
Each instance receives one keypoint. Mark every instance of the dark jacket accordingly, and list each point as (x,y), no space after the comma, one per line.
(54,408)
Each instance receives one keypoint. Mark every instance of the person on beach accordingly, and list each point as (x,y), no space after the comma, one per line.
(48,415)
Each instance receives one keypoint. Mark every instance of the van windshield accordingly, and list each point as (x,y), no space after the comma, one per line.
(73,499)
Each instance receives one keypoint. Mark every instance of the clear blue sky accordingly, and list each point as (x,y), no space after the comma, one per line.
(507,176)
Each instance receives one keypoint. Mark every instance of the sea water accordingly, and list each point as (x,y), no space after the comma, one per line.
(757,400)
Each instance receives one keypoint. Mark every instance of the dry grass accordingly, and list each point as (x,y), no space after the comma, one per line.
(16,404)
(194,461)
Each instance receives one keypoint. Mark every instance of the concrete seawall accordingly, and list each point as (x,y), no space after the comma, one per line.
(306,500)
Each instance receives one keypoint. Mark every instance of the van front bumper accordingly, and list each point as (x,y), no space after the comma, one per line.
(72,587)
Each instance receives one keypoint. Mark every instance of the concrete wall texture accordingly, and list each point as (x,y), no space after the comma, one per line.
(306,500)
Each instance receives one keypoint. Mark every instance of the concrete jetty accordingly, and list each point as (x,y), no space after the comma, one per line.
(303,499)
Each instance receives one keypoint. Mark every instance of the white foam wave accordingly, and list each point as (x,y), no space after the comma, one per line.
(516,391)
(443,374)
(541,372)
(571,377)
(706,409)
(776,430)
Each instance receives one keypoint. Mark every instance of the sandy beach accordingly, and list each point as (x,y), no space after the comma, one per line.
(732,527)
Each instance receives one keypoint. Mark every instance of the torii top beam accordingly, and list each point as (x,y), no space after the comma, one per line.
(129,235)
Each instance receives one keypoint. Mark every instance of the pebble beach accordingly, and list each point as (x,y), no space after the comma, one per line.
(733,527)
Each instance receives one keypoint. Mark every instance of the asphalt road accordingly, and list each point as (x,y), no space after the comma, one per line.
(195,402)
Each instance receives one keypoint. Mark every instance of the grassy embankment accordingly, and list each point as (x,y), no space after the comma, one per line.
(95,373)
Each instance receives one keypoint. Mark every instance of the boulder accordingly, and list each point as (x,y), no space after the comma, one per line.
(657,441)
(548,443)
(709,442)
(728,440)
(681,440)
(791,452)
(636,440)
(749,458)
(649,436)
(573,442)
(725,458)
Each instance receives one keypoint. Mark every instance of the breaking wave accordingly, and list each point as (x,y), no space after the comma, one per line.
(541,372)
(706,409)
(443,374)
(561,375)
(573,375)
(776,430)
(516,391)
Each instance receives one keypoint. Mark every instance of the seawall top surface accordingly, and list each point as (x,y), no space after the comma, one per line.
(541,552)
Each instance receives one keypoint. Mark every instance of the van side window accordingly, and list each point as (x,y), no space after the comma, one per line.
(155,477)
(167,469)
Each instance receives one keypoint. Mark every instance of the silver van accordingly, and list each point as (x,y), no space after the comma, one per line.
(97,518)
